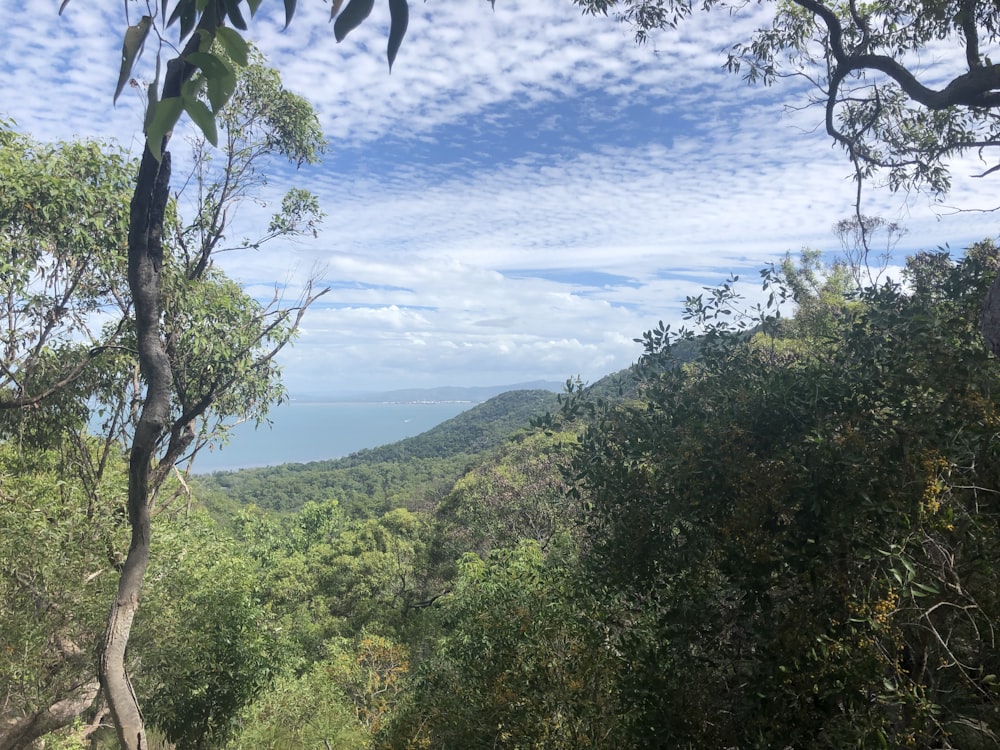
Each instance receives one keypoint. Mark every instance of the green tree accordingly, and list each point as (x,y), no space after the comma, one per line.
(193,75)
(58,542)
(310,710)
(892,115)
(336,577)
(796,550)
(517,662)
(205,645)
(62,229)
(518,494)
(241,335)
(71,338)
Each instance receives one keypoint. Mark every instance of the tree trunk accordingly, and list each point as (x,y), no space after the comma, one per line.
(23,731)
(145,264)
(990,320)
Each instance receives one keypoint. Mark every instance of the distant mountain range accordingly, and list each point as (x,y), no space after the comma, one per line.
(473,394)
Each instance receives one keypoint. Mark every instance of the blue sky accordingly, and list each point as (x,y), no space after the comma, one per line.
(524,195)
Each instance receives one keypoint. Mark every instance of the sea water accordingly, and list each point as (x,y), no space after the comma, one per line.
(302,432)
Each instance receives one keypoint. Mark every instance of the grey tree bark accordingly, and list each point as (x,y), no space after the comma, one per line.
(990,320)
(145,266)
(21,732)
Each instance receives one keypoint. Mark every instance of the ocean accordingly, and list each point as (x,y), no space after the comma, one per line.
(302,432)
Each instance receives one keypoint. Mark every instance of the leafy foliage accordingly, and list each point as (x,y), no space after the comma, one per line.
(302,711)
(63,214)
(520,494)
(889,114)
(415,473)
(205,645)
(200,70)
(57,547)
(812,521)
(532,671)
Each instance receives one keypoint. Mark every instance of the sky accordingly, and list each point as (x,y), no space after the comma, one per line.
(524,195)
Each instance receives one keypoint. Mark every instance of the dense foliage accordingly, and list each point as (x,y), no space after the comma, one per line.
(781,533)
(803,523)
(407,473)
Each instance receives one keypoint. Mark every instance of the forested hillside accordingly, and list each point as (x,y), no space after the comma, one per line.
(787,540)
(404,474)
(774,532)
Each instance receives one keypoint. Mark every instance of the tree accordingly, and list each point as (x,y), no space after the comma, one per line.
(516,495)
(207,647)
(69,335)
(307,710)
(195,74)
(56,537)
(62,229)
(893,116)
(519,639)
(793,537)
(62,226)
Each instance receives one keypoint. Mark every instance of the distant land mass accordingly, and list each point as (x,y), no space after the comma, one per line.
(456,394)
(417,469)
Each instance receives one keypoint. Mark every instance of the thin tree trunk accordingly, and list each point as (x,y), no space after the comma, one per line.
(990,321)
(145,265)
(22,732)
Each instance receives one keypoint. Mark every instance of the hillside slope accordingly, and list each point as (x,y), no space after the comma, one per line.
(410,473)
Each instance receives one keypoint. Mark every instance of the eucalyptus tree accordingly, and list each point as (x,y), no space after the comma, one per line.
(897,117)
(186,315)
(198,81)
(73,352)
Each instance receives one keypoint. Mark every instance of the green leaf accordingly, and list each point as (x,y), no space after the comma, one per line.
(207,38)
(203,118)
(234,45)
(165,115)
(135,36)
(212,65)
(235,15)
(290,11)
(151,98)
(335,8)
(220,89)
(399,13)
(355,12)
(193,86)
(254,4)
(189,14)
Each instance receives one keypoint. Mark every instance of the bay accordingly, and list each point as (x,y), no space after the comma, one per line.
(303,432)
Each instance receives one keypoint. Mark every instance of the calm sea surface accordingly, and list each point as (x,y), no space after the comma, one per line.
(315,432)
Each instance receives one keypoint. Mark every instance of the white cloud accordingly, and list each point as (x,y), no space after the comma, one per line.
(531,140)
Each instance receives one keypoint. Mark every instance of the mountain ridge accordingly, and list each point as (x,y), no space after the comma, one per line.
(474,394)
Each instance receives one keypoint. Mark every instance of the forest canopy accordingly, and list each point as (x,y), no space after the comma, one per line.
(781,533)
